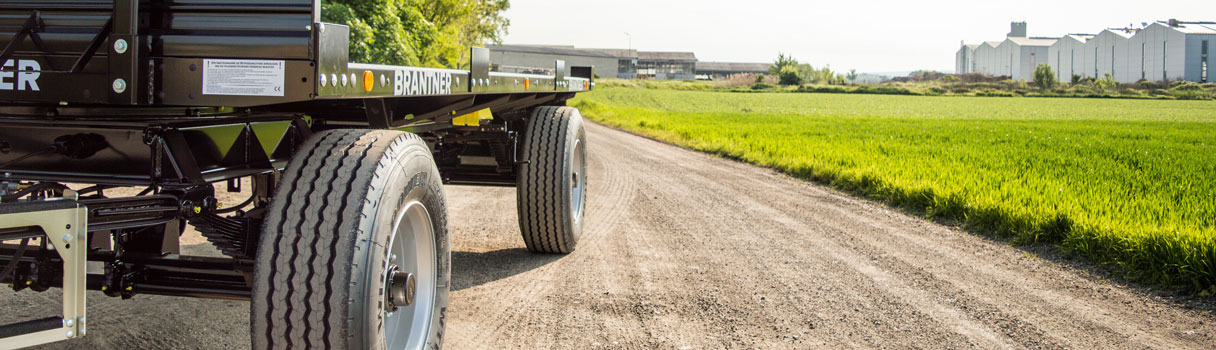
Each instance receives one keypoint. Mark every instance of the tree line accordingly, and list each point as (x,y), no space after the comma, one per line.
(427,33)
(789,72)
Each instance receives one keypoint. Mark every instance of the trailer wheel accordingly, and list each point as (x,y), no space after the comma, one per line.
(354,252)
(552,183)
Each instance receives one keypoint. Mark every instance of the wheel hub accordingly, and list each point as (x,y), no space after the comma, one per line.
(410,279)
(401,288)
(578,181)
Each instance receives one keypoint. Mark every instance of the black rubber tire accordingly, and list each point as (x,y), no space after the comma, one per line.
(319,276)
(548,219)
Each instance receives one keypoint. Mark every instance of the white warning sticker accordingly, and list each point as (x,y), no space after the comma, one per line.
(243,77)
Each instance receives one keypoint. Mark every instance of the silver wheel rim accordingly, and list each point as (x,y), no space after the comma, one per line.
(412,250)
(578,181)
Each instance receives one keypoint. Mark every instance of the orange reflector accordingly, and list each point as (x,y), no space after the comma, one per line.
(587,85)
(369,81)
(527,83)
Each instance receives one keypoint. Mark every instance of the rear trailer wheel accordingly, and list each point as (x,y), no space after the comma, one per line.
(552,183)
(354,252)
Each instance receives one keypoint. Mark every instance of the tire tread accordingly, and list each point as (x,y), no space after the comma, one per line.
(540,186)
(325,198)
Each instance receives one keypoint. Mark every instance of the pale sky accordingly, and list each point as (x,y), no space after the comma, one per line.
(867,35)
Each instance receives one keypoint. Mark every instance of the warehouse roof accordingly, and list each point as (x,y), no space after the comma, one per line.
(669,56)
(621,53)
(1033,41)
(1119,32)
(613,53)
(549,50)
(1077,38)
(732,67)
(1194,27)
(551,46)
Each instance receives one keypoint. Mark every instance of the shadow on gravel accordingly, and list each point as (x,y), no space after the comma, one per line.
(474,269)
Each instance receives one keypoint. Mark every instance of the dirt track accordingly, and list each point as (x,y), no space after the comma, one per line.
(682,250)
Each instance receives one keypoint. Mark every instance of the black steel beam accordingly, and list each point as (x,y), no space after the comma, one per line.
(152,151)
(31,326)
(172,275)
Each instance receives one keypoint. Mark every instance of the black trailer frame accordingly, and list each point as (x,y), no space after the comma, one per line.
(177,95)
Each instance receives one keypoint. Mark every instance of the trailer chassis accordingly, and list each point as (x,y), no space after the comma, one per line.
(107,95)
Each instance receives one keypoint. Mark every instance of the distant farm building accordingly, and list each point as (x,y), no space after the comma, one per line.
(538,59)
(722,70)
(1163,50)
(666,65)
(615,63)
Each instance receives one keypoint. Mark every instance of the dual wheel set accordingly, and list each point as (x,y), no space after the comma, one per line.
(355,251)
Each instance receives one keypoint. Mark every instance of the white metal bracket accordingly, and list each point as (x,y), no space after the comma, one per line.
(65,223)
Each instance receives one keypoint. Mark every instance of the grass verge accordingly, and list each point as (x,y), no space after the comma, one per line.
(1125,183)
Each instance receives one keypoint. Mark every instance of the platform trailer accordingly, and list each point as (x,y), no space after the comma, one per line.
(344,242)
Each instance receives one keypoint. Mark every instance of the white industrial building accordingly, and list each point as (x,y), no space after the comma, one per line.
(1164,50)
(980,58)
(1106,53)
(964,59)
(1173,51)
(1067,55)
(1014,57)
(1024,54)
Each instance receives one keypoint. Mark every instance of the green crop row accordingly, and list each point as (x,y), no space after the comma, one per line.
(1127,183)
(1178,90)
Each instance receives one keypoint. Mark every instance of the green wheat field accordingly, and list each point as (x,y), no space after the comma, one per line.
(1125,183)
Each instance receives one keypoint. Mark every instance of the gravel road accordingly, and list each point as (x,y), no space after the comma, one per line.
(683,250)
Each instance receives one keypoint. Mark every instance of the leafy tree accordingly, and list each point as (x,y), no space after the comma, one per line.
(852,76)
(824,75)
(464,23)
(787,70)
(1045,77)
(782,62)
(433,33)
(790,72)
(838,79)
(789,76)
(808,73)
